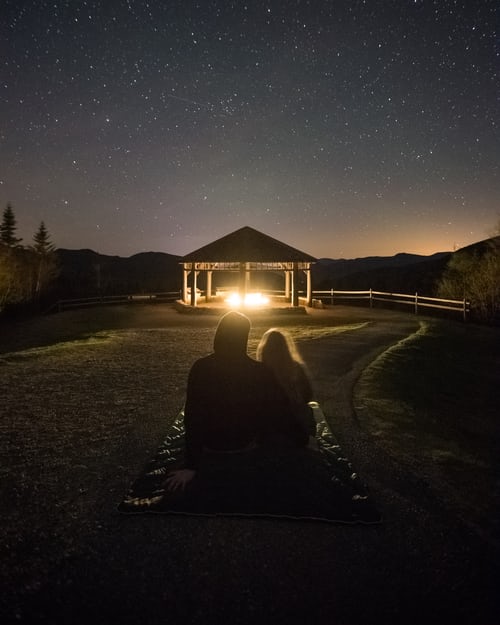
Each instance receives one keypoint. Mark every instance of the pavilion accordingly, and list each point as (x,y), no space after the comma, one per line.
(245,252)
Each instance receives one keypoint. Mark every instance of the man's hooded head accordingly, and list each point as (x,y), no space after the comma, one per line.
(231,335)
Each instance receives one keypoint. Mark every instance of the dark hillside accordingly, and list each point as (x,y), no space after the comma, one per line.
(85,273)
(481,247)
(420,277)
(344,267)
(405,273)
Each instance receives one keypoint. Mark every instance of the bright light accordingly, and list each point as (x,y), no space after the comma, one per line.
(234,300)
(251,300)
(255,299)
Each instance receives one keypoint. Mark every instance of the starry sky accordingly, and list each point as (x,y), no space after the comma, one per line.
(343,128)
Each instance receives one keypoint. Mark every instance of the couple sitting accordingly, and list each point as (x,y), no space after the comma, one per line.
(235,403)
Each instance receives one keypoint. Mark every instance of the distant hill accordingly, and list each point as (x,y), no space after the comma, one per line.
(481,246)
(403,273)
(85,273)
(409,271)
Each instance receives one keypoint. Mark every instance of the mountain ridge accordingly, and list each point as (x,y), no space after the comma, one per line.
(85,273)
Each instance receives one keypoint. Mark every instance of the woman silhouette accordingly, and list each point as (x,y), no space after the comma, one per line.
(279,353)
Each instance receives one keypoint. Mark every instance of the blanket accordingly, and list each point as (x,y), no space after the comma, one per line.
(314,483)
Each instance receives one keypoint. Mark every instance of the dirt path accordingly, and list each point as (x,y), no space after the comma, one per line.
(67,556)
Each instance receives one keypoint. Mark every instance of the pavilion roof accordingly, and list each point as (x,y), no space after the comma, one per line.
(247,245)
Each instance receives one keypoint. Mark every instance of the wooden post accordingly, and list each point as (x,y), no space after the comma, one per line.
(416,303)
(295,285)
(309,288)
(193,285)
(208,295)
(243,281)
(287,285)
(185,273)
(371,299)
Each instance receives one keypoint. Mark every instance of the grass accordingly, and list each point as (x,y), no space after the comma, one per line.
(431,402)
(86,398)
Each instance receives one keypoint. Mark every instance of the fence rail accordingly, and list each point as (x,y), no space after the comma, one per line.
(108,300)
(415,300)
(329,296)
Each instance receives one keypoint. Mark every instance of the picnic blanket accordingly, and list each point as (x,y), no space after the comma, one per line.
(316,484)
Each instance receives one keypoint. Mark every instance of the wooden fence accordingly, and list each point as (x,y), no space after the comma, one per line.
(415,300)
(108,300)
(331,296)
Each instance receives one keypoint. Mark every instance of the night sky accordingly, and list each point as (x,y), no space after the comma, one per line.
(343,128)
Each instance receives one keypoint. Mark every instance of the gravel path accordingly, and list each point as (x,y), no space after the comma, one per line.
(88,396)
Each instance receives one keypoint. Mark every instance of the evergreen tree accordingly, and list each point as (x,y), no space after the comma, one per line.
(41,238)
(8,228)
(46,261)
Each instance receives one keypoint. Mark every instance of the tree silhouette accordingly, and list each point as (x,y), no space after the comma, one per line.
(475,275)
(26,273)
(11,284)
(45,260)
(41,238)
(8,228)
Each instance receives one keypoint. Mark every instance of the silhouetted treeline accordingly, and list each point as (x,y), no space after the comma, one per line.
(27,272)
(473,273)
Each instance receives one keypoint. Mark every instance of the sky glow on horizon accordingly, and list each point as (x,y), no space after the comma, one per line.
(345,129)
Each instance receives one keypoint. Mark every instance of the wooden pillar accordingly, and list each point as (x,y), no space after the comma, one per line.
(287,285)
(243,280)
(295,285)
(185,274)
(209,286)
(193,285)
(309,287)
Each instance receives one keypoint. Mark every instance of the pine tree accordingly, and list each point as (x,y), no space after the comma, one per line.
(46,264)
(41,238)
(8,228)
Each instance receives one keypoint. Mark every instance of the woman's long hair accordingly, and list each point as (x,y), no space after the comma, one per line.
(277,350)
